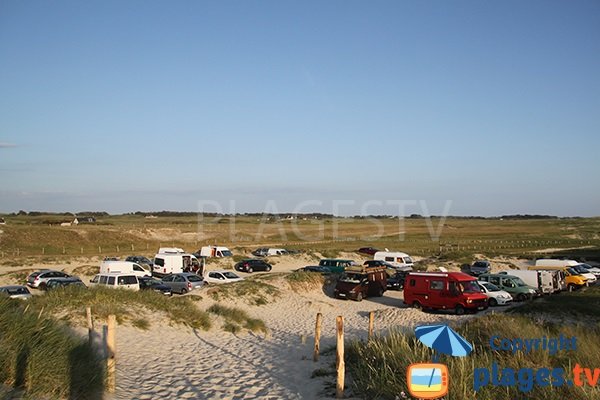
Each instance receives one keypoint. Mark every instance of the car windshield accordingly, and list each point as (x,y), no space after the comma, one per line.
(230,275)
(194,278)
(469,287)
(581,269)
(491,287)
(20,290)
(572,271)
(408,260)
(226,253)
(350,278)
(519,282)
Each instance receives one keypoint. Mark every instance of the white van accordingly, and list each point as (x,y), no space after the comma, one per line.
(397,259)
(116,281)
(174,263)
(557,264)
(542,280)
(215,251)
(276,252)
(108,267)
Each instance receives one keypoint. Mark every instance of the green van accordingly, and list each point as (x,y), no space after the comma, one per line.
(336,265)
(514,285)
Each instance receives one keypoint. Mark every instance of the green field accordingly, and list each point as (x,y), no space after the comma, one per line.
(451,238)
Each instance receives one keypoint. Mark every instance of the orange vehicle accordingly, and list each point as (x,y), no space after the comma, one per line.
(444,291)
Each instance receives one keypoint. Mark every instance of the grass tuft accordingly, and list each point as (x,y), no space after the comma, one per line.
(238,318)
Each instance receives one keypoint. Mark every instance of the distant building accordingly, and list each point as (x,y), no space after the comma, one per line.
(65,224)
(84,220)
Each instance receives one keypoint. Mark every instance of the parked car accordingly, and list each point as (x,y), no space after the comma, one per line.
(480,267)
(147,283)
(359,282)
(141,260)
(117,281)
(337,265)
(269,251)
(222,277)
(396,281)
(316,268)
(16,292)
(496,296)
(368,250)
(253,264)
(38,279)
(444,290)
(514,285)
(56,283)
(260,252)
(183,282)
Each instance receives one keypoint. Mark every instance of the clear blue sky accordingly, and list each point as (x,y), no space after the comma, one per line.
(150,105)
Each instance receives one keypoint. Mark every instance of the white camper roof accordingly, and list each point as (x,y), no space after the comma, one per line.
(170,250)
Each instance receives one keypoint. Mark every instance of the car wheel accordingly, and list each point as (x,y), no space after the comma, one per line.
(269,268)
(380,292)
(183,291)
(417,305)
(359,296)
(249,270)
(493,302)
(571,287)
(521,297)
(459,309)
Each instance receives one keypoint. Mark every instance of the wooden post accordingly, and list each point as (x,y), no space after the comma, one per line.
(43,250)
(90,324)
(339,364)
(117,248)
(303,339)
(371,320)
(99,250)
(82,250)
(317,337)
(111,352)
(132,248)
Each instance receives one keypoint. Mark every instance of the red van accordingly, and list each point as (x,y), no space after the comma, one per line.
(444,290)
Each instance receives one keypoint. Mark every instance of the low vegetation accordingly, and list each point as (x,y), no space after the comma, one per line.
(378,367)
(41,357)
(252,291)
(300,281)
(237,319)
(124,304)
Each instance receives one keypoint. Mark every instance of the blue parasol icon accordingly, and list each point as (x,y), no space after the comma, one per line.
(443,339)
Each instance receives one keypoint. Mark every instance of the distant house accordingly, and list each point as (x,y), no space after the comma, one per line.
(84,220)
(65,224)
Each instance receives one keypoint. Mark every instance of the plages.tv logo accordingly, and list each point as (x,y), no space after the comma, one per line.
(431,380)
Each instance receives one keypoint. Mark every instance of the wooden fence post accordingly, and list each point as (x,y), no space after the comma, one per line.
(317,337)
(111,352)
(90,324)
(339,364)
(371,323)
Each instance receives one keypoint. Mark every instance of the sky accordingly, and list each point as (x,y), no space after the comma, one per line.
(458,107)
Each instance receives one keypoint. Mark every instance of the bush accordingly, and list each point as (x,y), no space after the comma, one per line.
(235,318)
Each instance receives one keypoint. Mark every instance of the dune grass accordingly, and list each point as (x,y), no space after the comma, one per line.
(300,281)
(43,358)
(252,291)
(124,304)
(379,367)
(236,319)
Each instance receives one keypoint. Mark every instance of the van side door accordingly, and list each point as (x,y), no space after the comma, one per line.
(437,293)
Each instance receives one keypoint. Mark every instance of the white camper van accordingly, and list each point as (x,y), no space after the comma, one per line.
(215,251)
(542,280)
(123,267)
(166,263)
(116,281)
(397,259)
(558,264)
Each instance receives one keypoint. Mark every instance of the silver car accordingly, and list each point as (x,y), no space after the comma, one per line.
(183,282)
(39,279)
(16,292)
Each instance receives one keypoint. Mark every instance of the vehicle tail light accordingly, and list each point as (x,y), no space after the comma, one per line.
(189,286)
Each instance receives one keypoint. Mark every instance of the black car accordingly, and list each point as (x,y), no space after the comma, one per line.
(147,283)
(396,282)
(368,250)
(140,260)
(252,264)
(56,283)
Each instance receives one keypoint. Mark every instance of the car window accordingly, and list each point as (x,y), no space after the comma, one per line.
(111,280)
(127,280)
(178,278)
(168,278)
(159,261)
(389,259)
(103,279)
(138,268)
(412,282)
(494,279)
(230,275)
(194,278)
(436,285)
